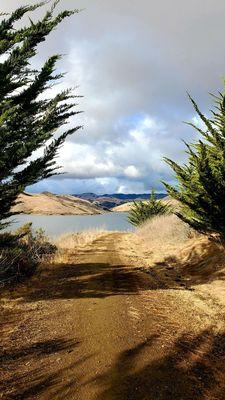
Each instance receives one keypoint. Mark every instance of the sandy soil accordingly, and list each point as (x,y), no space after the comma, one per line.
(100,328)
(50,204)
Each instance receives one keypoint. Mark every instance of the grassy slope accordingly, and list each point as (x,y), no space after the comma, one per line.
(49,204)
(167,245)
(127,206)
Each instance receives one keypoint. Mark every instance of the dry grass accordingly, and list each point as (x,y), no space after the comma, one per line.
(167,239)
(167,244)
(70,243)
(202,259)
(163,234)
(164,230)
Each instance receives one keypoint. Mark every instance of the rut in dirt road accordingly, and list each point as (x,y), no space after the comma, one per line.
(100,329)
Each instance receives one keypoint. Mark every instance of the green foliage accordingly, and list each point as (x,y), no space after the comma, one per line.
(28,119)
(20,253)
(142,211)
(201,181)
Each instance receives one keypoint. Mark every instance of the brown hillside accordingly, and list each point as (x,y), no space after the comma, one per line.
(127,206)
(49,204)
(123,207)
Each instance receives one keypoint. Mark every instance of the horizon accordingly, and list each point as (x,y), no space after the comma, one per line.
(97,194)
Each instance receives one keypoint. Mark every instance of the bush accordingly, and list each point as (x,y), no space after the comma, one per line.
(20,253)
(15,264)
(36,242)
(142,211)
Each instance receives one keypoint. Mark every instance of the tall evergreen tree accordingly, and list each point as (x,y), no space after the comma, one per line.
(201,181)
(28,120)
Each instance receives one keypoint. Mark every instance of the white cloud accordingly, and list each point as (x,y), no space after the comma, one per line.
(131,172)
(133,62)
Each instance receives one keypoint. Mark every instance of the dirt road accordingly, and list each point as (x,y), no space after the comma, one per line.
(100,329)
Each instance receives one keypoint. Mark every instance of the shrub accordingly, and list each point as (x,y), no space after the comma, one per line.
(142,211)
(20,253)
(15,264)
(37,243)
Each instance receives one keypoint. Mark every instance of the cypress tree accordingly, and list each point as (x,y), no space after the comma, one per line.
(28,119)
(201,181)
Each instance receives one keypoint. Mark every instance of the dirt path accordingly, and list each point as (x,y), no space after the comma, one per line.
(100,329)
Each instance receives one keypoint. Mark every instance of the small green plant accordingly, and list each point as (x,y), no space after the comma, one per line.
(144,210)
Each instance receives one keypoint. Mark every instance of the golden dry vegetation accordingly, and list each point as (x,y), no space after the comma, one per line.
(71,243)
(170,247)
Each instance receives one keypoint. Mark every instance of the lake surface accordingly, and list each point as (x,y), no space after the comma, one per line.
(55,225)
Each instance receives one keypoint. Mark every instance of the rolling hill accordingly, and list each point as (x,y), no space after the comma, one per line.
(125,207)
(49,204)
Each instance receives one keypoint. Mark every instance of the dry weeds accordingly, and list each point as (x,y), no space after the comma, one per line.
(70,243)
(163,234)
(170,247)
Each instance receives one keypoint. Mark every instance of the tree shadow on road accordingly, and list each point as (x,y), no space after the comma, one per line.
(26,374)
(101,279)
(193,369)
(92,280)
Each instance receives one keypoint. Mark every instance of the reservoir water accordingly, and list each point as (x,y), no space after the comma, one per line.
(55,225)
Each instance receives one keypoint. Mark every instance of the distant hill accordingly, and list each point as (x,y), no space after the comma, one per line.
(110,201)
(125,207)
(49,204)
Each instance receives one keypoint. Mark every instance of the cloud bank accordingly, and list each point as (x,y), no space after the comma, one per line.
(133,62)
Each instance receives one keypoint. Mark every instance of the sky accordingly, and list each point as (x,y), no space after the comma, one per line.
(133,62)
